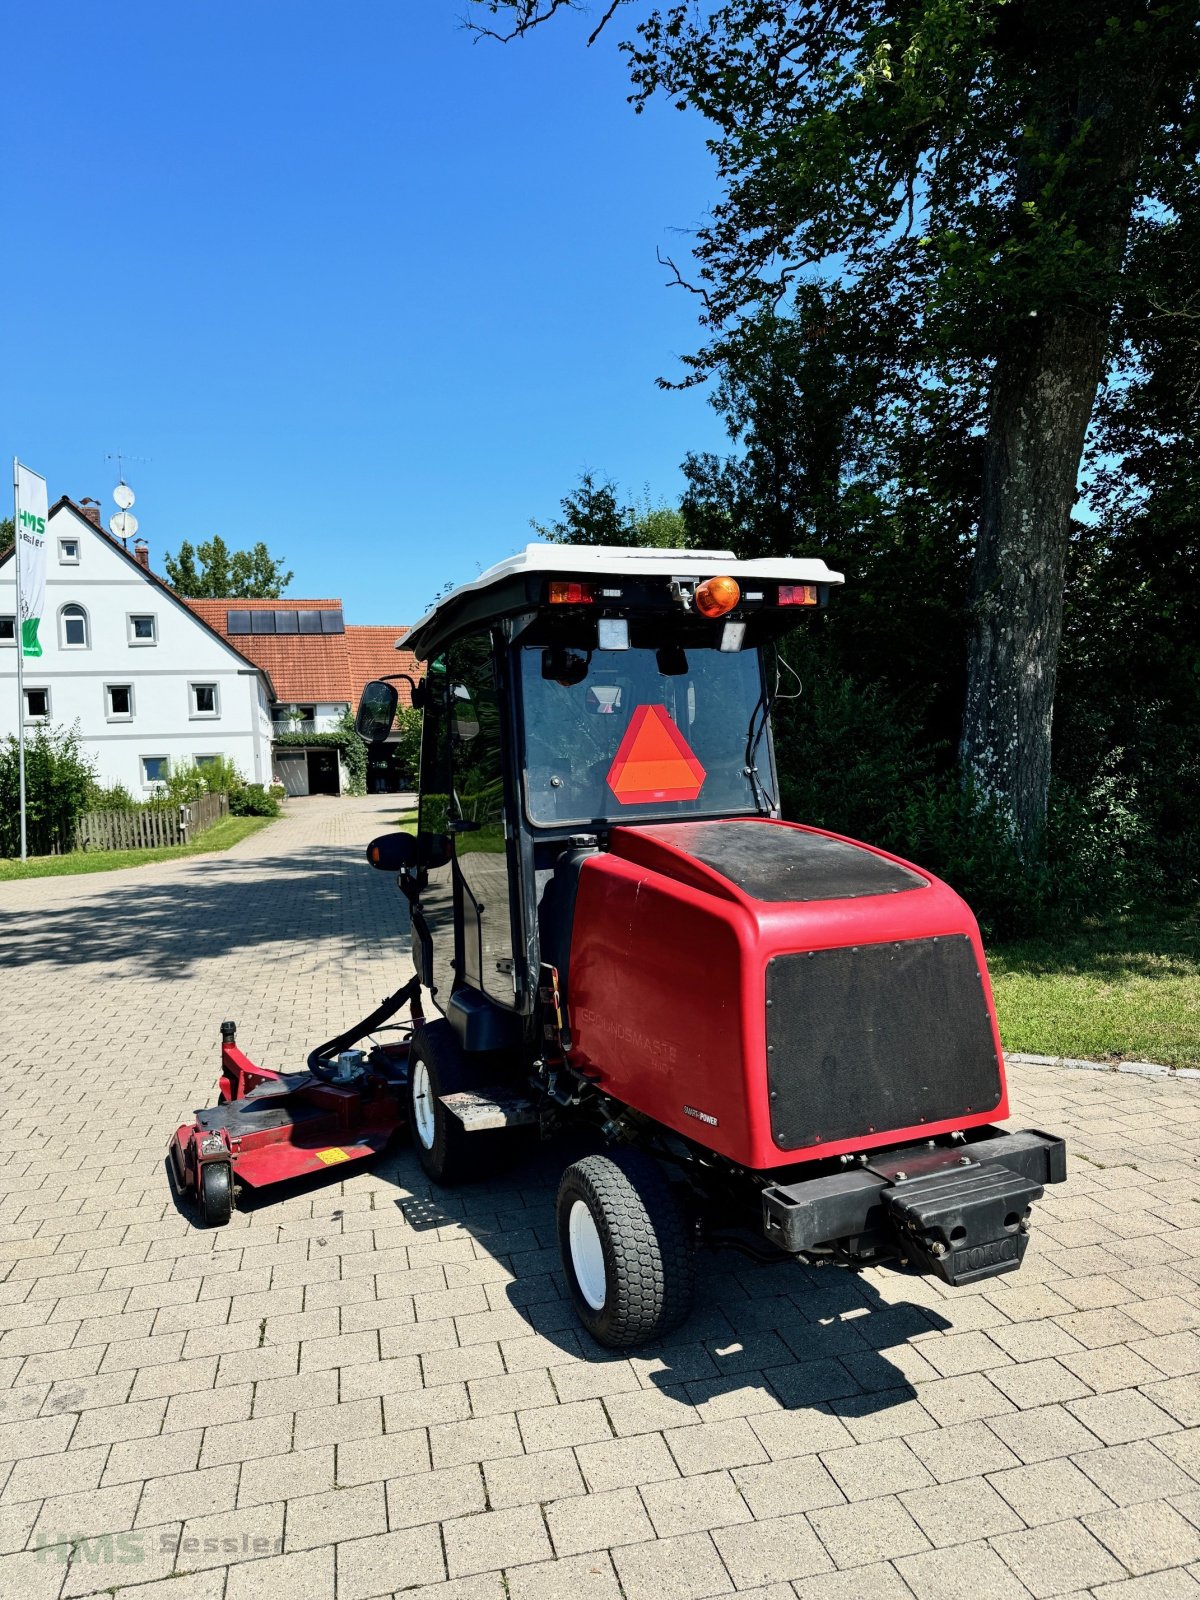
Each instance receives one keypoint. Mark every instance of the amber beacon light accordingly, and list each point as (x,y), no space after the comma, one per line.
(716,596)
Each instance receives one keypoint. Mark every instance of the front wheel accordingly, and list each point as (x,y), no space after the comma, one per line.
(216,1193)
(625,1248)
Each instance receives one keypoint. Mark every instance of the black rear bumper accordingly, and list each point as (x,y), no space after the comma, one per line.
(960,1211)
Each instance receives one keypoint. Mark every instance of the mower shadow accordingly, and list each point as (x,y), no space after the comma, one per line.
(217,906)
(777,1337)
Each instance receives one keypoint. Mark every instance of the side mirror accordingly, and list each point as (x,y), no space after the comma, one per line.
(376,711)
(392,852)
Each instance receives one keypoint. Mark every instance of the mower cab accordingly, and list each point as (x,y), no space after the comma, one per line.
(785,1039)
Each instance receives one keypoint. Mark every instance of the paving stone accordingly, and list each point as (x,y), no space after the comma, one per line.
(598,1521)
(717,1444)
(1146,1538)
(684,1568)
(867,1530)
(1043,1434)
(779,1488)
(581,1577)
(965,1569)
(1057,1558)
(532,1480)
(1050,1491)
(495,1539)
(227,1537)
(305,1575)
(620,1463)
(960,1512)
(420,1497)
(1121,1417)
(319,1519)
(884,1467)
(550,1427)
(694,1505)
(1133,1473)
(383,1562)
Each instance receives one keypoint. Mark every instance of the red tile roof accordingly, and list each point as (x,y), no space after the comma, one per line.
(308,668)
(373,654)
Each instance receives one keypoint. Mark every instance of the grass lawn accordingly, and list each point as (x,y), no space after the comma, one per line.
(219,837)
(1123,989)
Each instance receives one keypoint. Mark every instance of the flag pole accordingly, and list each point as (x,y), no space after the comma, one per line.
(20,658)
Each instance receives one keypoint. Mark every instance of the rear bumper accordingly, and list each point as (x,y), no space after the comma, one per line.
(959,1211)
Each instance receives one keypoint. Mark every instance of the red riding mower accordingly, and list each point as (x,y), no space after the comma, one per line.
(784,1038)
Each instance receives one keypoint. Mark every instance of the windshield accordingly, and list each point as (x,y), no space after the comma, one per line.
(625,734)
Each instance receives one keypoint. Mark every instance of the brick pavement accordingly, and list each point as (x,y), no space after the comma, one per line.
(370,1387)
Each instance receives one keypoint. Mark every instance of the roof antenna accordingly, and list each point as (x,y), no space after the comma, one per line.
(124,524)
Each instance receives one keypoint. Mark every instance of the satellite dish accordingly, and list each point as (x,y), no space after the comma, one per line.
(124,524)
(124,496)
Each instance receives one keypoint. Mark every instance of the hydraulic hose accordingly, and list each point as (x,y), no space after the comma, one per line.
(319,1059)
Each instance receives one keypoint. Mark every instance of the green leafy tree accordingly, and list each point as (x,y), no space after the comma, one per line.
(593,514)
(6,532)
(973,168)
(211,571)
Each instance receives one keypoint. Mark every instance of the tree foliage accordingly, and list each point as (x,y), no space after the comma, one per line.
(977,180)
(59,778)
(211,571)
(594,514)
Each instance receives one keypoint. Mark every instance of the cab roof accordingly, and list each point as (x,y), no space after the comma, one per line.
(515,583)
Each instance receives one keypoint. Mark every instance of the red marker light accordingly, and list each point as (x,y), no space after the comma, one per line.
(571,594)
(797,594)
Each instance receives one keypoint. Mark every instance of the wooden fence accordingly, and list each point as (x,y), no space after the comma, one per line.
(151,828)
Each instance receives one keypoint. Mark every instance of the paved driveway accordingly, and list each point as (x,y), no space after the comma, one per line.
(379,1388)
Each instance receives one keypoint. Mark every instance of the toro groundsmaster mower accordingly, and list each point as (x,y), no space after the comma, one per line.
(783,1038)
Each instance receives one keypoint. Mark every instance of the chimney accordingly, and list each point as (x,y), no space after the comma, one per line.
(90,509)
(141,554)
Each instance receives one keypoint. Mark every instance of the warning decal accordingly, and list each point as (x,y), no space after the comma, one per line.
(654,761)
(331,1155)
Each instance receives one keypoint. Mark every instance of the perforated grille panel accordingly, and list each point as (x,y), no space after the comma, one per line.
(874,1037)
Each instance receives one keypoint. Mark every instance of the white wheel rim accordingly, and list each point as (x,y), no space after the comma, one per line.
(424,1111)
(587,1255)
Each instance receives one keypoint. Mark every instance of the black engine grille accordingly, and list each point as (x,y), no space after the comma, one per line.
(873,1037)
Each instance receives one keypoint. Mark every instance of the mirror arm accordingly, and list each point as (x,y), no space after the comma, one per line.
(416,693)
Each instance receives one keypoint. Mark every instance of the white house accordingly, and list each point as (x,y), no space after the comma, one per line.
(148,681)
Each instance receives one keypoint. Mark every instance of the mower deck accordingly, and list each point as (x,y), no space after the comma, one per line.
(282,1126)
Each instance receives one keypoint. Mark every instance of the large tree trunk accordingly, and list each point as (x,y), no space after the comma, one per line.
(1042,398)
(1043,389)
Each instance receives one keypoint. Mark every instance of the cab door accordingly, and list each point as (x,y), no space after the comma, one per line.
(465,909)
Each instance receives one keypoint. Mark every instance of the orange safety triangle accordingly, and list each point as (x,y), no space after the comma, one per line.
(654,761)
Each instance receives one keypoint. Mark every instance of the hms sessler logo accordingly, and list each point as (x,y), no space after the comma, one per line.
(701,1116)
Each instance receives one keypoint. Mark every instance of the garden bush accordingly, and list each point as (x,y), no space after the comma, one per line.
(252,800)
(59,778)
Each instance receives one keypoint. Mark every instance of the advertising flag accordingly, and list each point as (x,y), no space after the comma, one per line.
(31,512)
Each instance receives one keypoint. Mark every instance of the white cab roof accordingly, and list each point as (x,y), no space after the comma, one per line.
(616,561)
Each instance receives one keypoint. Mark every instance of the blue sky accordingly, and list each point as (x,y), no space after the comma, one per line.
(351,282)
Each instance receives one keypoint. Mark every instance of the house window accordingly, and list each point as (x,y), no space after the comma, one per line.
(204,700)
(118,702)
(68,552)
(37,705)
(143,629)
(73,628)
(8,630)
(286,714)
(207,761)
(154,771)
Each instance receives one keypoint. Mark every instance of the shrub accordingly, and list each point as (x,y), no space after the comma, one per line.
(58,781)
(252,800)
(111,797)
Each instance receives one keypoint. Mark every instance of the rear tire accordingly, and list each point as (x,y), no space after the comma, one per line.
(446,1151)
(216,1193)
(625,1248)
